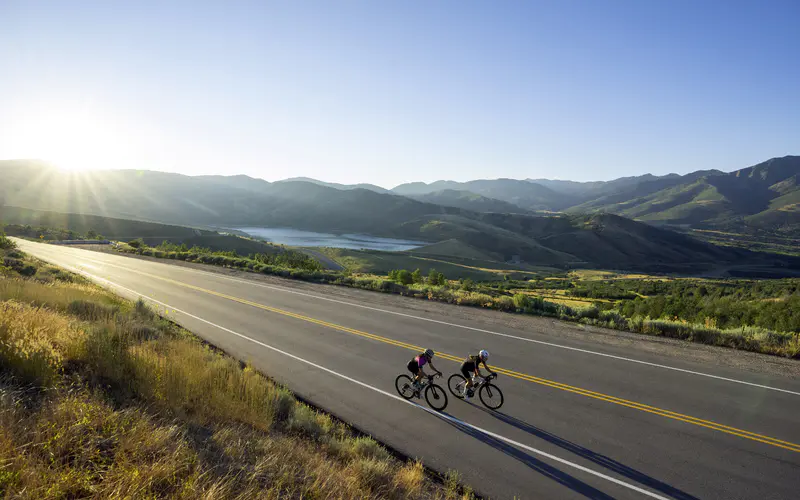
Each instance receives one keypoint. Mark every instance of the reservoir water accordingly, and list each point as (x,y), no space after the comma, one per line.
(298,238)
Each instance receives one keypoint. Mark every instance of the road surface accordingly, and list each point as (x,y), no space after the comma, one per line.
(580,419)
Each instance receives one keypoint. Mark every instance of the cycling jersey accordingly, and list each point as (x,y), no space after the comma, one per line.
(415,364)
(470,364)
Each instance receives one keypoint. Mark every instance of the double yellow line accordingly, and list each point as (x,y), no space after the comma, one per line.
(518,375)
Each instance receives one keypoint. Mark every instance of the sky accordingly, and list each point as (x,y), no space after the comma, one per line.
(397,91)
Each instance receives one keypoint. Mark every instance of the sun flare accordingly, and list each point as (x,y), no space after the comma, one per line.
(72,140)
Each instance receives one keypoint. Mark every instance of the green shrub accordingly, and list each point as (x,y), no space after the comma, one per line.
(5,243)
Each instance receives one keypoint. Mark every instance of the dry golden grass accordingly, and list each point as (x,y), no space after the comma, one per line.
(101,398)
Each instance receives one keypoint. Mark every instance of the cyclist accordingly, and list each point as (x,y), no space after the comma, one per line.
(470,368)
(416,364)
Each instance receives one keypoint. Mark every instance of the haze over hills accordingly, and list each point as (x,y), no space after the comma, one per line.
(467,200)
(492,227)
(336,185)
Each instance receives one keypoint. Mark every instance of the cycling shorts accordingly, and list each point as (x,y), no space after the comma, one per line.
(468,369)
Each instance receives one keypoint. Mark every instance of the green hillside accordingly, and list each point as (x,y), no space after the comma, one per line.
(125,230)
(559,241)
(763,197)
(467,201)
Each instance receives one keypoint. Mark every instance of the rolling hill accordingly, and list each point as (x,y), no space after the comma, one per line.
(600,240)
(527,195)
(207,200)
(467,201)
(763,197)
(335,185)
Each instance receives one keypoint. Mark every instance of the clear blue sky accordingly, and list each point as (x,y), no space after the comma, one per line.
(388,92)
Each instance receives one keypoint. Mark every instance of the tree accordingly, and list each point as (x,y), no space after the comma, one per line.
(92,234)
(436,278)
(416,276)
(467,285)
(404,277)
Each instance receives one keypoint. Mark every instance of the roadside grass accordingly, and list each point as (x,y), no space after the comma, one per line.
(100,397)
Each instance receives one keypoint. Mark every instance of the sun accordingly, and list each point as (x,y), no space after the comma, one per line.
(73,140)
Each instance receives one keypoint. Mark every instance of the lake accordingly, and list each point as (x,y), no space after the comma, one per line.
(297,238)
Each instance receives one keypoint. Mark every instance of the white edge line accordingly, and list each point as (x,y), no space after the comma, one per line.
(390,395)
(515,337)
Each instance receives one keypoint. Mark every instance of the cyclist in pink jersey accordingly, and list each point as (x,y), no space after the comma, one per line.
(416,364)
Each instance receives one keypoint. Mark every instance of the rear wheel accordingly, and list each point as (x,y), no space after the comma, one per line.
(436,397)
(491,396)
(404,386)
(457,384)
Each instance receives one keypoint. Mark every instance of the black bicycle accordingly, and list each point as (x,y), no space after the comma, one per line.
(435,395)
(490,395)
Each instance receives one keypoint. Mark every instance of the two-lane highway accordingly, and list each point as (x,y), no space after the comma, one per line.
(579,420)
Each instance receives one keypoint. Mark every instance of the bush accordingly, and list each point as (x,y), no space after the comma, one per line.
(137,243)
(5,243)
(404,277)
(522,301)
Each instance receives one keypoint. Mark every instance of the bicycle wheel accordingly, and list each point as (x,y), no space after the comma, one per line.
(436,397)
(491,396)
(456,383)
(403,384)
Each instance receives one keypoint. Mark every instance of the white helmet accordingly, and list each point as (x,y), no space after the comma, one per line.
(484,354)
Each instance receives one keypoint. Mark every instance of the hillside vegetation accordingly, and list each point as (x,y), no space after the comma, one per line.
(51,226)
(595,240)
(101,398)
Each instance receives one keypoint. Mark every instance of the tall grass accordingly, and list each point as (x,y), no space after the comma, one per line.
(102,398)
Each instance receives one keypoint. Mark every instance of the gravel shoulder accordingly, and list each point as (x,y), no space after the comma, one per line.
(664,348)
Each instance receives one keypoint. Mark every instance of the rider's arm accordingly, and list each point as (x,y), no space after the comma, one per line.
(488,369)
(434,368)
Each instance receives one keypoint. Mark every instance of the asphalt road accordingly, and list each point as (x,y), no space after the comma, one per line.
(579,419)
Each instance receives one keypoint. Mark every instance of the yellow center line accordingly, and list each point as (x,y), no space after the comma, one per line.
(522,376)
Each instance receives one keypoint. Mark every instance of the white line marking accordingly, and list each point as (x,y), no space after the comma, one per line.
(515,337)
(388,394)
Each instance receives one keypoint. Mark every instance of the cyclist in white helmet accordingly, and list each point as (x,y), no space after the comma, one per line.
(471,368)
(416,364)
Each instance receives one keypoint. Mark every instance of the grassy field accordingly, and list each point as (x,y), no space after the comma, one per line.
(768,242)
(101,397)
(377,262)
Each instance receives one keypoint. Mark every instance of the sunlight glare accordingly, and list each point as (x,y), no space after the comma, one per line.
(73,140)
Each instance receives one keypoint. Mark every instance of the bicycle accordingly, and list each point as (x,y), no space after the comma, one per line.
(434,394)
(490,395)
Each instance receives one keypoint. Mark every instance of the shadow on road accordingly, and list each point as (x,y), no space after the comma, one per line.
(534,463)
(588,454)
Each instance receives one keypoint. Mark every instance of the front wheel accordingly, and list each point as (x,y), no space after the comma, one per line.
(491,396)
(457,385)
(404,386)
(436,397)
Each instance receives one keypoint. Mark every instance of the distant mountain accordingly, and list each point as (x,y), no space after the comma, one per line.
(206,200)
(467,200)
(762,197)
(527,195)
(768,191)
(334,185)
(629,189)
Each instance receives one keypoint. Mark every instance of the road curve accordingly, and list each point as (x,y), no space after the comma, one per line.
(579,420)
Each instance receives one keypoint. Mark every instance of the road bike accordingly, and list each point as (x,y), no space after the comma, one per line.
(435,395)
(490,395)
